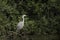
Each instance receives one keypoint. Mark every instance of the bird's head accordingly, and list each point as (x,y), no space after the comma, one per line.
(23,16)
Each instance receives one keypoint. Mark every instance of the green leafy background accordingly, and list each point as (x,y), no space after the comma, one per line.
(42,21)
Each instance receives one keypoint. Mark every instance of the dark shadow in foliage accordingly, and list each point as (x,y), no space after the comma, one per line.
(31,14)
(54,11)
(17,1)
(6,13)
(44,1)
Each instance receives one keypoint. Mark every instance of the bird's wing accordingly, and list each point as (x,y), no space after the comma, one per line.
(20,25)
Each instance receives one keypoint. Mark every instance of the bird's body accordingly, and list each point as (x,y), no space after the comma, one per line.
(20,24)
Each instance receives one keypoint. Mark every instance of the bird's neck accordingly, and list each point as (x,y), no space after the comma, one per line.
(23,19)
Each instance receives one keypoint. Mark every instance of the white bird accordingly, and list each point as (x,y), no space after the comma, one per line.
(20,24)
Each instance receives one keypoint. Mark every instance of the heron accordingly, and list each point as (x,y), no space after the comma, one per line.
(20,25)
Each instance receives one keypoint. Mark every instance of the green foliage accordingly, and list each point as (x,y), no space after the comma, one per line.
(42,21)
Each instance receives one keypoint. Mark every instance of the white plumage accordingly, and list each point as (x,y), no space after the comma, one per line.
(20,24)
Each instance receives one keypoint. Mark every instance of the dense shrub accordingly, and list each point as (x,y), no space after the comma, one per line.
(42,21)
